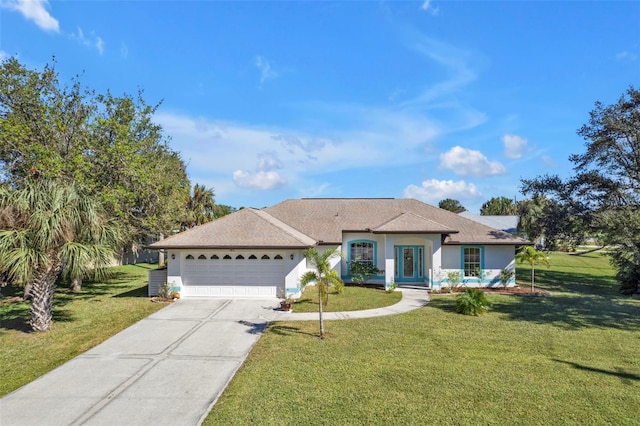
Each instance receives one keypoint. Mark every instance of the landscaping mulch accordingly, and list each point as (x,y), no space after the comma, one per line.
(514,291)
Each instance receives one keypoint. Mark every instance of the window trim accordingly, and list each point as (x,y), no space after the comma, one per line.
(463,261)
(374,245)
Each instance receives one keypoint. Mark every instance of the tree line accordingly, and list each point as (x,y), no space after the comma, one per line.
(83,176)
(601,200)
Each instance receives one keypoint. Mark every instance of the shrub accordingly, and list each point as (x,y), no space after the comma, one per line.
(454,279)
(361,272)
(472,302)
(338,287)
(164,292)
(505,276)
(391,287)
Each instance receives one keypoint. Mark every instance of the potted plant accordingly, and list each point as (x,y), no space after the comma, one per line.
(285,305)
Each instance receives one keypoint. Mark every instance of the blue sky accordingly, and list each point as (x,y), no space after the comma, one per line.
(273,100)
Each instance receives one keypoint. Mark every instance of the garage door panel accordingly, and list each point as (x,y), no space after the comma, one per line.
(228,291)
(232,278)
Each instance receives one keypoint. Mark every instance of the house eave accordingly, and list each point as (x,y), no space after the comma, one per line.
(416,232)
(488,243)
(229,247)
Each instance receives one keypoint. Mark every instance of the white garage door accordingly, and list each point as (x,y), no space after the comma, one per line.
(233,277)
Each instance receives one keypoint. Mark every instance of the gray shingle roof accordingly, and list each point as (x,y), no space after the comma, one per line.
(306,222)
(247,228)
(412,223)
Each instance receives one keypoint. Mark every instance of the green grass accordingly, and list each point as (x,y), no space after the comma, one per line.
(353,298)
(568,359)
(81,321)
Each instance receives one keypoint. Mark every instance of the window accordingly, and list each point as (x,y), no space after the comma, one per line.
(215,256)
(202,256)
(240,257)
(362,251)
(226,256)
(278,257)
(189,257)
(472,261)
(253,256)
(265,257)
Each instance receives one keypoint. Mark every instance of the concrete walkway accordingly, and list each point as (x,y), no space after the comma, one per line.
(167,369)
(412,298)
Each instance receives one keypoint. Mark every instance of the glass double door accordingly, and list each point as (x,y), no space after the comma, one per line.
(409,263)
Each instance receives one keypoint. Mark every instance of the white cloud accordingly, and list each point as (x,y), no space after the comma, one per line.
(514,146)
(34,10)
(3,55)
(626,55)
(260,180)
(266,72)
(375,137)
(468,162)
(100,45)
(434,190)
(455,61)
(269,161)
(427,6)
(92,40)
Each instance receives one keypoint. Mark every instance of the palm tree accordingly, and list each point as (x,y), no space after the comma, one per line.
(323,276)
(55,229)
(201,206)
(529,255)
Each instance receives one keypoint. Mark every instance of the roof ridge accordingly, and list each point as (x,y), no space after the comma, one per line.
(412,214)
(291,231)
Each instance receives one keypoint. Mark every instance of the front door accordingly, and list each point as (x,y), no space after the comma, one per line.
(409,264)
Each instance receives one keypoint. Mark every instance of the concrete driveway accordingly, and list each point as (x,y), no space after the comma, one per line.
(167,369)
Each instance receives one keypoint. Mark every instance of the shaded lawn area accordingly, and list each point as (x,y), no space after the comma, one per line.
(568,359)
(81,321)
(353,298)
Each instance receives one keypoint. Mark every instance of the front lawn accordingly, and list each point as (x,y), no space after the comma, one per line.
(80,321)
(353,298)
(568,359)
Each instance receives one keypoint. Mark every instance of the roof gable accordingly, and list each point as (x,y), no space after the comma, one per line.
(245,228)
(412,223)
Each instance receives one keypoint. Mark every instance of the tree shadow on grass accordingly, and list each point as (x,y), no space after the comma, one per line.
(627,378)
(578,300)
(571,311)
(141,291)
(15,316)
(285,330)
(575,282)
(443,303)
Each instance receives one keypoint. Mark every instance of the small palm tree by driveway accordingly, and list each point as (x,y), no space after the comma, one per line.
(322,275)
(531,256)
(52,228)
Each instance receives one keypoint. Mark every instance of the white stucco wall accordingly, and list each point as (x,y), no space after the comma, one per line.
(385,254)
(174,265)
(495,258)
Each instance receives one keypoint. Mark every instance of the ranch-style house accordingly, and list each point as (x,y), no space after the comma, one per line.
(260,252)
